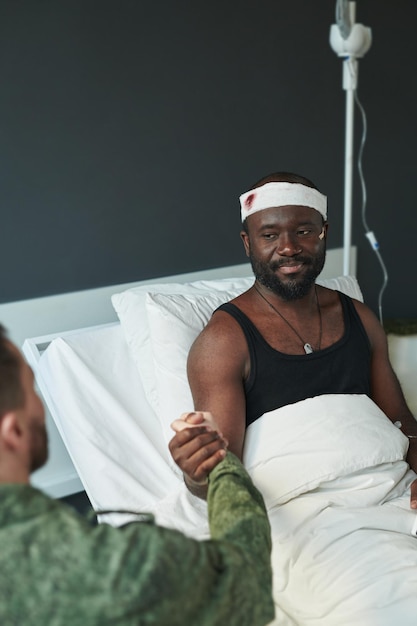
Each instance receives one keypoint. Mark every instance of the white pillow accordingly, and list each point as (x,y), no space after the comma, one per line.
(174,321)
(130,308)
(346,284)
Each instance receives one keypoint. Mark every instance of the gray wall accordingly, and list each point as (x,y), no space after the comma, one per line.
(129,128)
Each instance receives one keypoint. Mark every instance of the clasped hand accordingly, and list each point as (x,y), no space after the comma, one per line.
(198,445)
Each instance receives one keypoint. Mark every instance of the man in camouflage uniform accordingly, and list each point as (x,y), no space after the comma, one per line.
(58,569)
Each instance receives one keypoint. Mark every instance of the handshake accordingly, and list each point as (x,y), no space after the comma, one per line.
(197,447)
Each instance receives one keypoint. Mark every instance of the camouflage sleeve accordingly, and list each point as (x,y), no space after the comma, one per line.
(57,569)
(240,526)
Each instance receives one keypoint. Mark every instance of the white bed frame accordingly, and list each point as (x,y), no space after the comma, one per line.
(32,324)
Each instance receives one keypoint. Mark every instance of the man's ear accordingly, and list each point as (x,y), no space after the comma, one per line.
(11,431)
(323,234)
(245,238)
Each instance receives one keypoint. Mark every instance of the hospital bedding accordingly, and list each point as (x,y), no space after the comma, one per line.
(331,468)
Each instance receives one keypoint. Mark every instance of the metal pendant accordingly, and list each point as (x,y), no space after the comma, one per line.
(307,348)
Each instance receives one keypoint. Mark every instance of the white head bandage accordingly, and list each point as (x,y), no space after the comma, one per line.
(282,194)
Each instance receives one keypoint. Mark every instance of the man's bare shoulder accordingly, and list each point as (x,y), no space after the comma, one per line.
(330,297)
(218,360)
(222,327)
(222,338)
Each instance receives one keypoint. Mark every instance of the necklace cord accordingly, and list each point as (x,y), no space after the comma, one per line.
(307,346)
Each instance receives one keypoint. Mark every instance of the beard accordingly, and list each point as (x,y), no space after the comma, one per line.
(291,289)
(38,446)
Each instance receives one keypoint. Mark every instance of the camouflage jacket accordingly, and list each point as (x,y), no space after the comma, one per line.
(56,569)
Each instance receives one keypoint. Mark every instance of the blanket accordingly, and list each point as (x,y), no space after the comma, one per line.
(336,486)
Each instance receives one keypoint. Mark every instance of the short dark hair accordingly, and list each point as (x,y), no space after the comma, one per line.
(283,177)
(11,391)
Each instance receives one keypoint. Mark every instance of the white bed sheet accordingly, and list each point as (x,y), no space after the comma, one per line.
(331,470)
(98,403)
(340,518)
(336,487)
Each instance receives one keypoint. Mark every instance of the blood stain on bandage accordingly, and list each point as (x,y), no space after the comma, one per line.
(249,201)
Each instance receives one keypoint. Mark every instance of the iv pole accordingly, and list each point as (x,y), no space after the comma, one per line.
(350,41)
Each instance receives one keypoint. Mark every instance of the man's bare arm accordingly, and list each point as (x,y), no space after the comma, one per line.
(215,370)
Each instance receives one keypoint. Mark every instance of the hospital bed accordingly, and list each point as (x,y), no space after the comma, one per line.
(113,388)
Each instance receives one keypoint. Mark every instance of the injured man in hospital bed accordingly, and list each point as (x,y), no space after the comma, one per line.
(299,381)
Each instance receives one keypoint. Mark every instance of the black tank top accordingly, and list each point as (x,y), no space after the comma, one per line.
(277,379)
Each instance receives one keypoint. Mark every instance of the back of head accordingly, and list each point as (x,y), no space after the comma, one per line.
(11,391)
